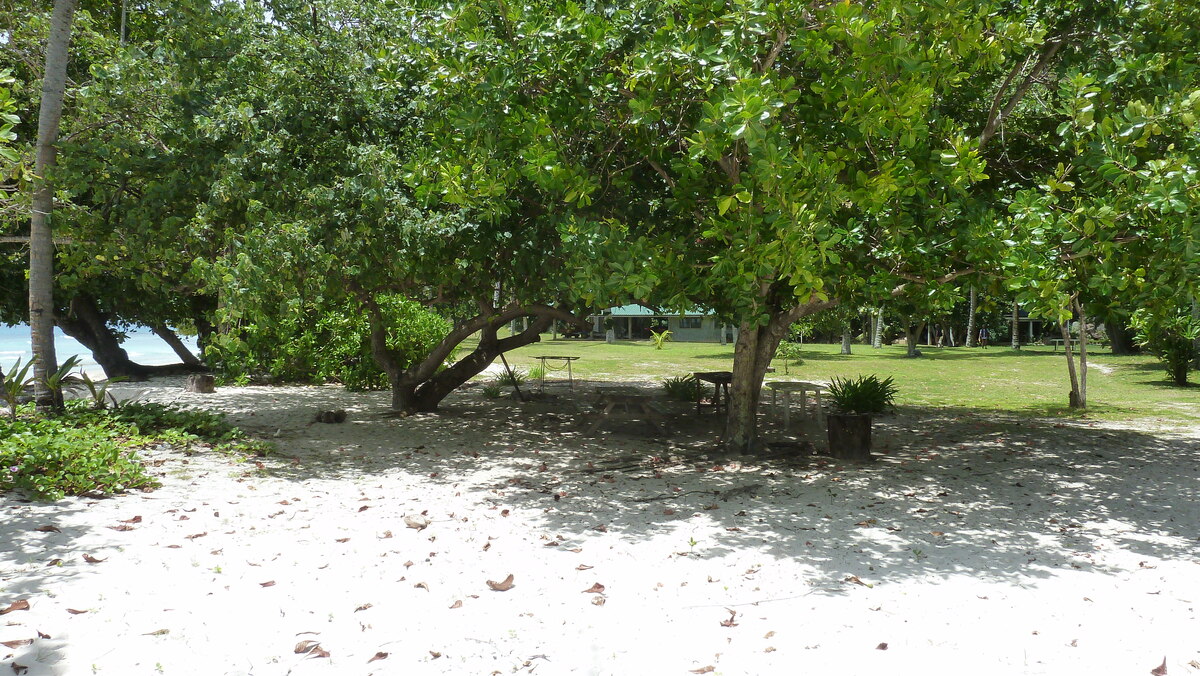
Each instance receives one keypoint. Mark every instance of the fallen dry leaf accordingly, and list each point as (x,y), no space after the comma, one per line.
(435,654)
(421,585)
(704,670)
(364,606)
(54,562)
(594,589)
(306,646)
(1160,670)
(75,612)
(769,634)
(456,604)
(711,507)
(136,519)
(17,643)
(268,583)
(364,508)
(936,533)
(418,522)
(769,649)
(41,635)
(157,632)
(668,512)
(15,605)
(342,540)
(602,528)
(121,527)
(855,580)
(19,668)
(91,559)
(598,601)
(730,622)
(504,512)
(378,656)
(47,529)
(501,586)
(197,535)
(881,646)
(583,567)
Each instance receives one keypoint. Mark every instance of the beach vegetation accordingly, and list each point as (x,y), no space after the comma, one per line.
(85,451)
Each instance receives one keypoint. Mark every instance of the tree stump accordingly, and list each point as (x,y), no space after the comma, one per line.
(850,436)
(201,383)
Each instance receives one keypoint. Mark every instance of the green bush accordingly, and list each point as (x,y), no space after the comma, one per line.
(684,388)
(866,394)
(85,450)
(1170,334)
(320,344)
(491,391)
(790,352)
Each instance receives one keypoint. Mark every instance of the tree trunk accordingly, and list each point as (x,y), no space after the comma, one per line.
(846,336)
(170,338)
(1016,334)
(912,334)
(751,356)
(1121,339)
(41,235)
(412,394)
(1074,399)
(1083,369)
(971,307)
(86,323)
(877,329)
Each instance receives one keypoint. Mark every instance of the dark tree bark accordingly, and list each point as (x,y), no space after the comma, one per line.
(422,386)
(1121,338)
(86,323)
(170,338)
(912,333)
(751,356)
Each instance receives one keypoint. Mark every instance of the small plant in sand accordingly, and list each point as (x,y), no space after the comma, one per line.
(660,338)
(15,382)
(491,391)
(537,373)
(99,390)
(682,388)
(514,377)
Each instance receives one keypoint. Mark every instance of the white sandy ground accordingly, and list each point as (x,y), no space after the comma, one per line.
(974,546)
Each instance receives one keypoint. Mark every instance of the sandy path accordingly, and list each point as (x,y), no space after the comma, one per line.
(974,546)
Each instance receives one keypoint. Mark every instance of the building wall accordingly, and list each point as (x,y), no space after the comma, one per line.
(709,331)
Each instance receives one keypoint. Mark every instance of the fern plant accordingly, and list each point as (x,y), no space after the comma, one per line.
(684,388)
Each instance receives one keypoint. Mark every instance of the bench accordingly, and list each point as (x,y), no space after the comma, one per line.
(803,387)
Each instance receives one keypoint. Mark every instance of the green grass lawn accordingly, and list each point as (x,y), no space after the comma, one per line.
(1030,381)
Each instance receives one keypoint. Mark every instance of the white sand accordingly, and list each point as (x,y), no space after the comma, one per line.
(982,547)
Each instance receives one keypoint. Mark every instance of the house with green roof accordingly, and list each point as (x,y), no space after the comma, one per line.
(634,322)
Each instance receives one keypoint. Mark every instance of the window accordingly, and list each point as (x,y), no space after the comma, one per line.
(690,322)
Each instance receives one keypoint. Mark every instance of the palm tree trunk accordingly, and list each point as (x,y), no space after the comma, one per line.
(971,317)
(41,236)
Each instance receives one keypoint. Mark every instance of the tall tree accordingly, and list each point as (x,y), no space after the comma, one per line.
(41,237)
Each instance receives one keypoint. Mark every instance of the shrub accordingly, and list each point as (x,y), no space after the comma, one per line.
(491,391)
(321,343)
(1169,334)
(684,388)
(867,394)
(95,451)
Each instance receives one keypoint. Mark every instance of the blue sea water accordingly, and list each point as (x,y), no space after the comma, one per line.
(142,345)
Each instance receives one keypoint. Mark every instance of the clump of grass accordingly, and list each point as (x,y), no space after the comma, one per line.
(491,391)
(682,388)
(515,377)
